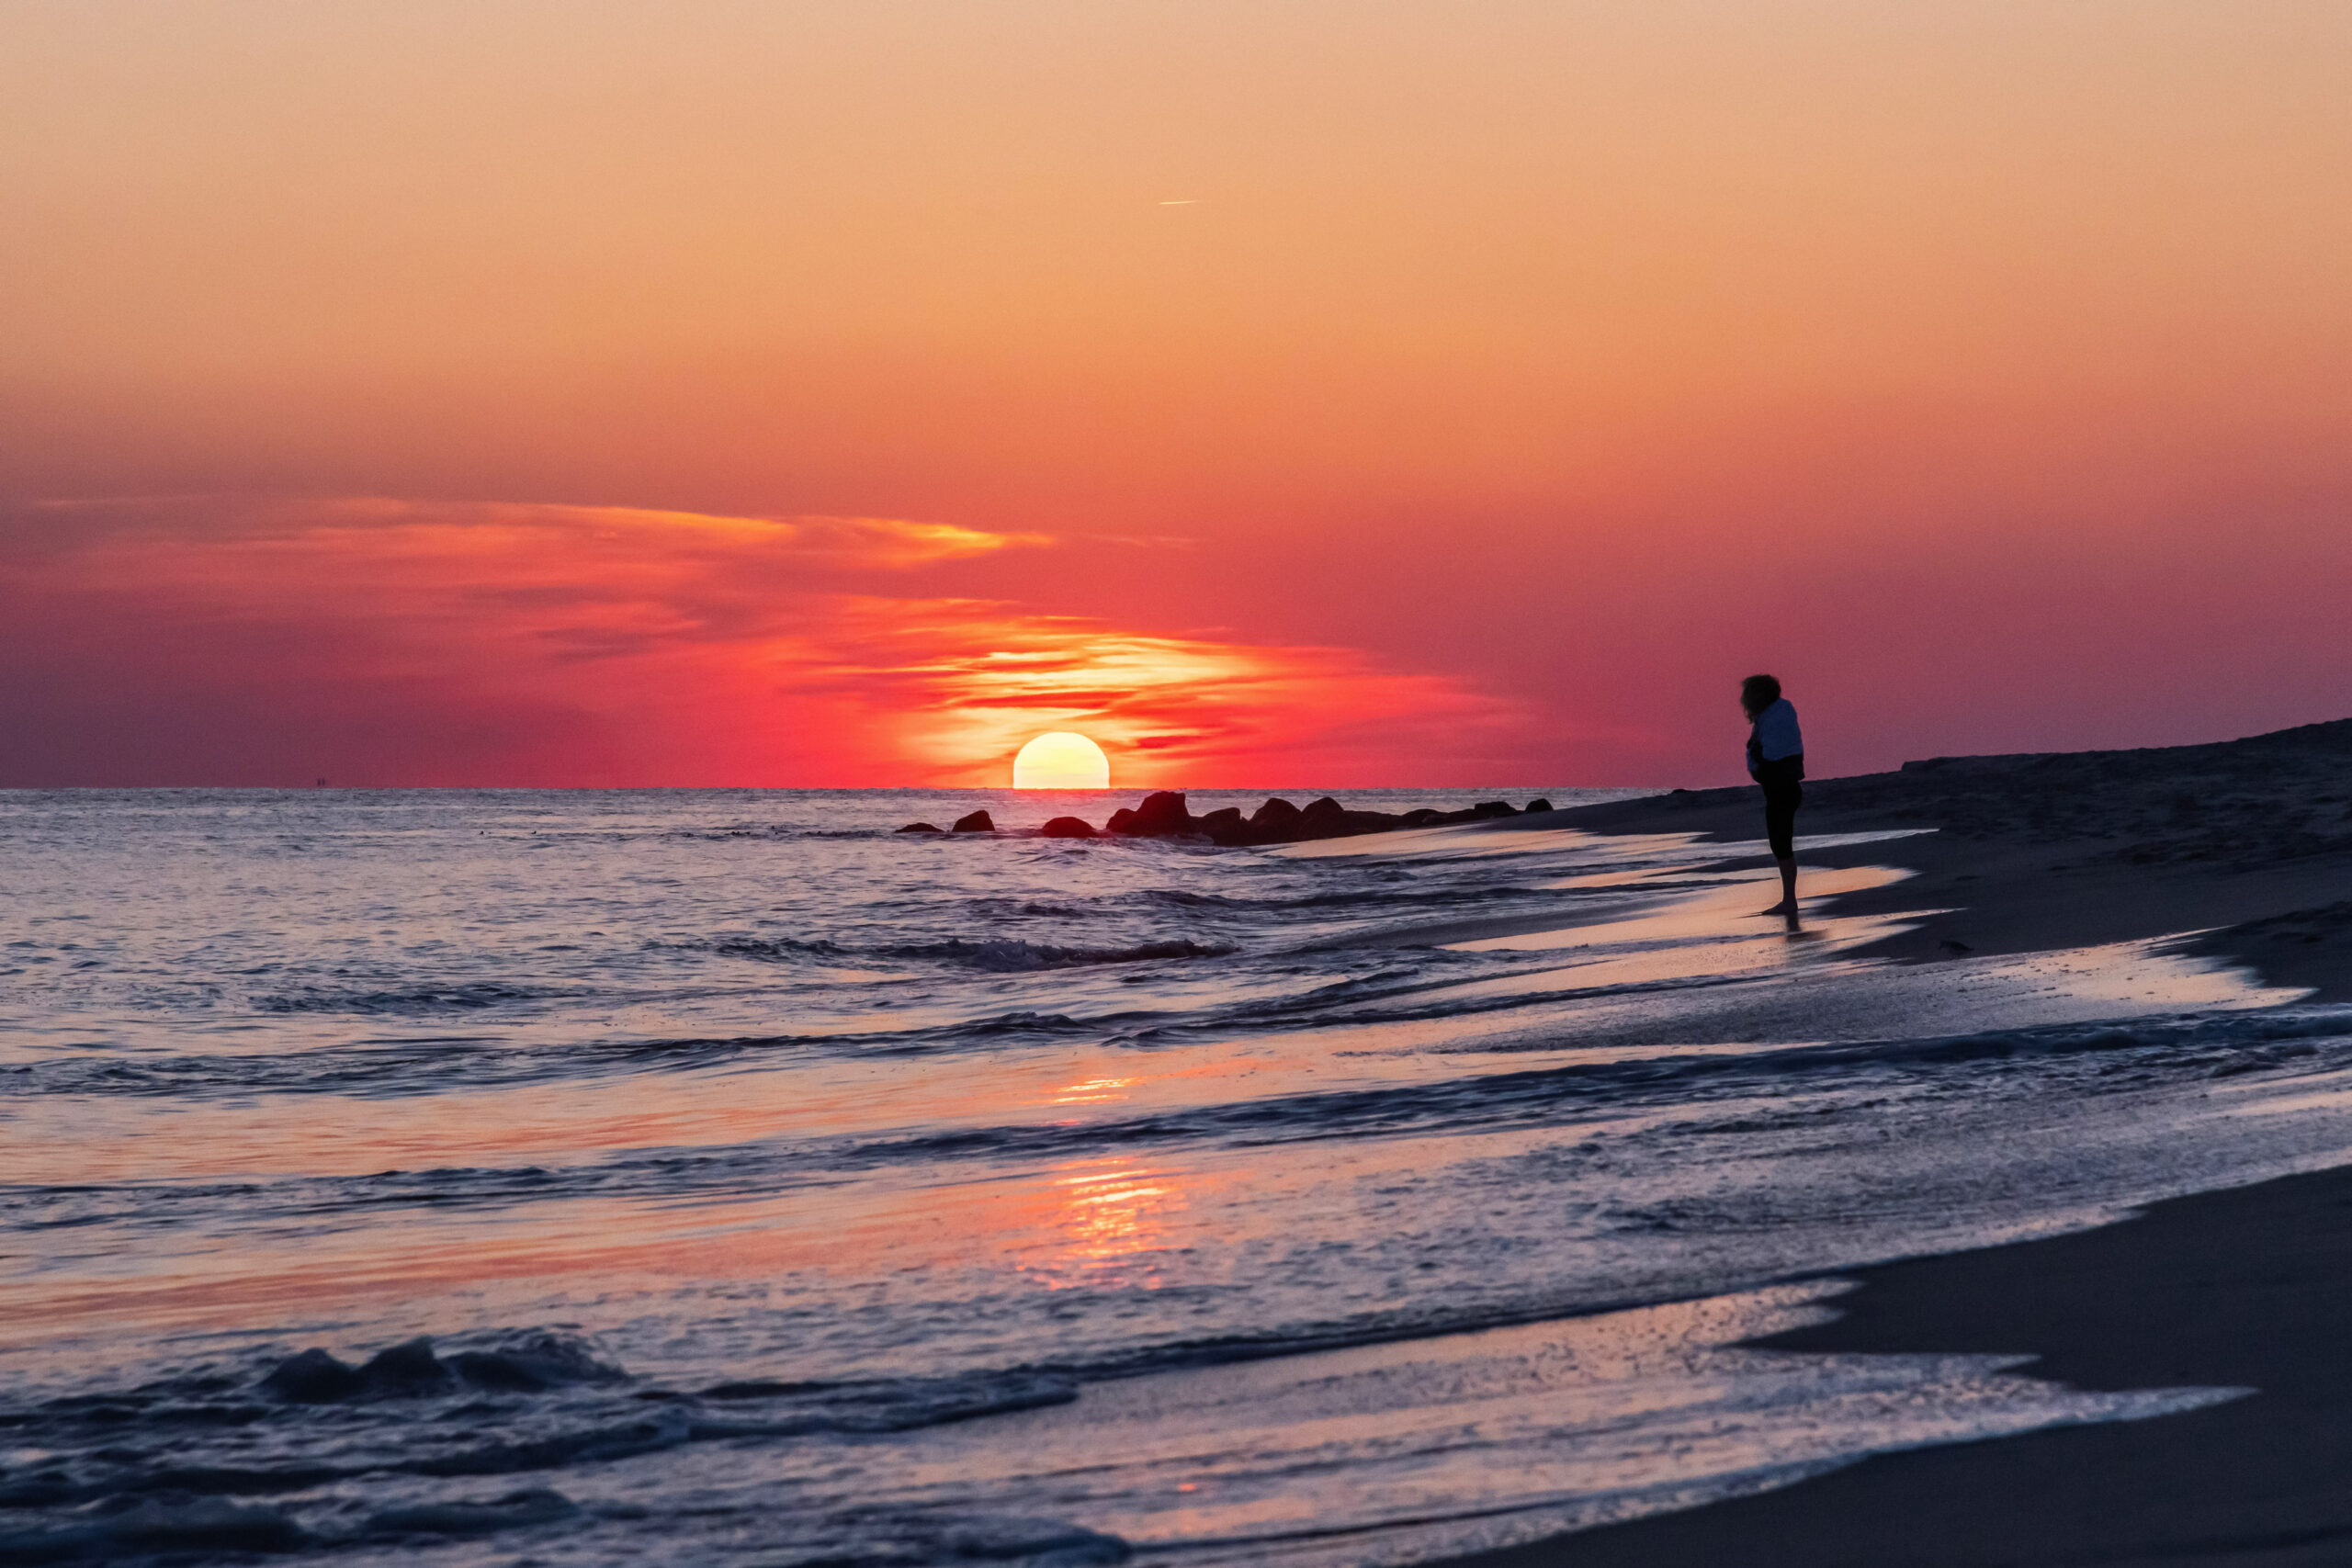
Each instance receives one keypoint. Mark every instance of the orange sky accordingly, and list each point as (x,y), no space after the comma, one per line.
(455,392)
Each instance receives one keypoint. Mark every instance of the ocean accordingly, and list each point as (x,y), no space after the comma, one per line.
(720,1177)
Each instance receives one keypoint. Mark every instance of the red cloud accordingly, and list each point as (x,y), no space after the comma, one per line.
(392,642)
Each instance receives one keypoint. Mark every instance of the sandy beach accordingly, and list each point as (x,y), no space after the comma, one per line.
(2246,842)
(2241,1289)
(2247,845)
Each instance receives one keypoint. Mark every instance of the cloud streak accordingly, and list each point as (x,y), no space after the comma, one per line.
(198,640)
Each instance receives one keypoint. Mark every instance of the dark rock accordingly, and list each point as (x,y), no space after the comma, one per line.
(533,1361)
(1162,815)
(407,1371)
(918,827)
(977,822)
(1224,825)
(1539,804)
(1163,812)
(1276,816)
(1068,828)
(1324,818)
(314,1378)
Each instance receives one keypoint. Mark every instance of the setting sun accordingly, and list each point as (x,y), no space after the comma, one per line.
(1061,760)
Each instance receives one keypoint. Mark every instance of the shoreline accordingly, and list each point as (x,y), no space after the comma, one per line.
(2239,1287)
(2242,848)
(2243,851)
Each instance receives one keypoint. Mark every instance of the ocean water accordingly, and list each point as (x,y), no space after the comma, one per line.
(713,1177)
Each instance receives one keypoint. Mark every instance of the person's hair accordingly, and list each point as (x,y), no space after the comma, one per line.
(1759,693)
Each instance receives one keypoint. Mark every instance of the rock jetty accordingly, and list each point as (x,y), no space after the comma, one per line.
(1163,815)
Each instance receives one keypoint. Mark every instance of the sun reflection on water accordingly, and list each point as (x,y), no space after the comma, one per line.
(1109,1226)
(1093,1091)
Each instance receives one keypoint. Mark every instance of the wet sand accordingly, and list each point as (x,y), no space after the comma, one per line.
(2242,1289)
(2249,844)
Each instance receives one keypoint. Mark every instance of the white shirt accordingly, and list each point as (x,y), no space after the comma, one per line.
(1777,735)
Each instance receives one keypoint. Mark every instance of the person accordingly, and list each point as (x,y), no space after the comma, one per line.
(1776,761)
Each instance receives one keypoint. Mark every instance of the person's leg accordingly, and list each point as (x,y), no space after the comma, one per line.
(1780,830)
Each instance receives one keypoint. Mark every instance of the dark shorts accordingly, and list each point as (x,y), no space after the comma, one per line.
(1783,793)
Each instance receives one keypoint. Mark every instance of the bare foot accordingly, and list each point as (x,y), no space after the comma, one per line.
(1783,908)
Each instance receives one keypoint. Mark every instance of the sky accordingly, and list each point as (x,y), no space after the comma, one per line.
(1332,393)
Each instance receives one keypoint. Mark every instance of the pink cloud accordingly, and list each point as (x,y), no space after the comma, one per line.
(200,641)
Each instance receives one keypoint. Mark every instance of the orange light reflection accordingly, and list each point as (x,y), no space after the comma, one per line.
(1111,1224)
(1093,1091)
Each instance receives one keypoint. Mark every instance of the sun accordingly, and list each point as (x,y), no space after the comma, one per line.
(1061,760)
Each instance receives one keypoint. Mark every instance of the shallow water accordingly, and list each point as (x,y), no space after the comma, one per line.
(777,1188)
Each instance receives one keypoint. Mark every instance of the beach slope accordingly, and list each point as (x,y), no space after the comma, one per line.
(2242,1289)
(2247,844)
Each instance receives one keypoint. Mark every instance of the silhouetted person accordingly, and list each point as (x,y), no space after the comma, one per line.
(1776,761)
